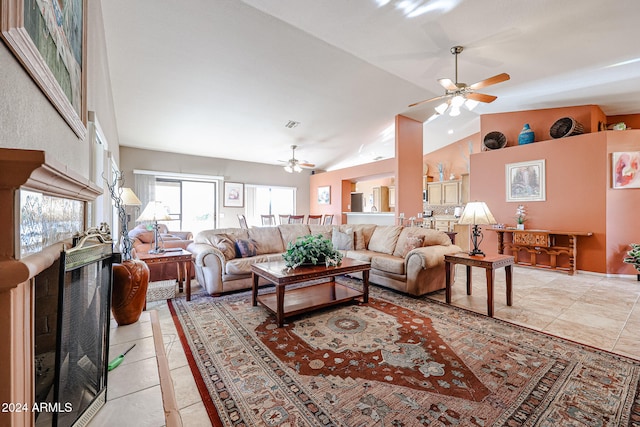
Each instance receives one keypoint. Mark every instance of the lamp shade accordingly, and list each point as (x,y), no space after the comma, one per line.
(476,213)
(129,198)
(155,211)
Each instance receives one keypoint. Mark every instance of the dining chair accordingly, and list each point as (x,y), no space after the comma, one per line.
(328,219)
(284,219)
(243,221)
(296,219)
(314,219)
(268,220)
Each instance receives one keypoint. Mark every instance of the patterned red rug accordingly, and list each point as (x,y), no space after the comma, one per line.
(397,361)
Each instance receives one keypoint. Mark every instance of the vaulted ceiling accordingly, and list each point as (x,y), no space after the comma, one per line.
(222,78)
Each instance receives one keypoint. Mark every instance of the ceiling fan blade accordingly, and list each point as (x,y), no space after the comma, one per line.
(499,78)
(481,97)
(428,100)
(307,165)
(448,84)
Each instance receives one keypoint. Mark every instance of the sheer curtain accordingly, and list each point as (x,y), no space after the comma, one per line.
(145,188)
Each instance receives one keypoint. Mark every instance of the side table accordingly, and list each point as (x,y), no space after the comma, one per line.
(182,257)
(490,264)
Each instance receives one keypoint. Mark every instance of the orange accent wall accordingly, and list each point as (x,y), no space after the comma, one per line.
(579,196)
(408,165)
(623,205)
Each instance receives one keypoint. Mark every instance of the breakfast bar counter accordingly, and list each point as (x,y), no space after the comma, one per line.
(378,218)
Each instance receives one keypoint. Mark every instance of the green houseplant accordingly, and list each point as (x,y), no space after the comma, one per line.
(633,257)
(312,249)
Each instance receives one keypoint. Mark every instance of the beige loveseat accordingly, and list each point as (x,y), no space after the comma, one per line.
(395,263)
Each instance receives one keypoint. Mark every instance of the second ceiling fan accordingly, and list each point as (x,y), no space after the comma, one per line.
(458,93)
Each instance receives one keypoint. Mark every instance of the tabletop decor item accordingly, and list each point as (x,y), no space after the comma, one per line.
(521,217)
(526,136)
(311,250)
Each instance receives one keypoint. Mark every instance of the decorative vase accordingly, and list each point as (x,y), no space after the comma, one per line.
(441,176)
(526,135)
(520,226)
(129,294)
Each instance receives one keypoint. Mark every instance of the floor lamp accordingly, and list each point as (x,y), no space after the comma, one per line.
(476,213)
(154,212)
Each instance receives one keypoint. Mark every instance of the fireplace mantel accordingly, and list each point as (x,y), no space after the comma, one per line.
(34,170)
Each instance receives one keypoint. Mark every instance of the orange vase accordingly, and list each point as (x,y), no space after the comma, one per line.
(129,294)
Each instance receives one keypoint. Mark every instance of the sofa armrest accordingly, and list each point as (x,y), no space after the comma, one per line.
(210,266)
(425,268)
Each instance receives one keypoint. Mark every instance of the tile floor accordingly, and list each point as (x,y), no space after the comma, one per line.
(591,309)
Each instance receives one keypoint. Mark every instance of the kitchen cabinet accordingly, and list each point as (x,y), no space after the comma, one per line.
(444,193)
(381,198)
(392,197)
(434,193)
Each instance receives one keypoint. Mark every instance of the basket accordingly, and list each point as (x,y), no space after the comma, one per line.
(564,127)
(494,140)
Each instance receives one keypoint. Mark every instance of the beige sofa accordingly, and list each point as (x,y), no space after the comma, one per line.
(395,263)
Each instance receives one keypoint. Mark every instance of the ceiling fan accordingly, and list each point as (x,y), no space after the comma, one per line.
(458,94)
(295,165)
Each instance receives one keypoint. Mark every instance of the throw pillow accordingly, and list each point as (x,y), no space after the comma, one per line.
(246,248)
(226,245)
(412,243)
(342,240)
(384,238)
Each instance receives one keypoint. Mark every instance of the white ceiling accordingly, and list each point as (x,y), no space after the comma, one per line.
(221,78)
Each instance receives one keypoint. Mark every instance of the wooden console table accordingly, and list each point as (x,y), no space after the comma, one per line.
(536,242)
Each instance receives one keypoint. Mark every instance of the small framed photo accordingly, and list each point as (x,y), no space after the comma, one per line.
(233,195)
(526,181)
(625,167)
(324,195)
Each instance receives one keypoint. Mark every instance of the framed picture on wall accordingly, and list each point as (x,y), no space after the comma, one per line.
(525,181)
(324,195)
(49,38)
(233,195)
(625,167)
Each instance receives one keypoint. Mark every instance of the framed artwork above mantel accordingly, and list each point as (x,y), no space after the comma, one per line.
(50,43)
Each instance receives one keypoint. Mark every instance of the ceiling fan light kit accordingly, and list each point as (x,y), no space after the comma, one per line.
(459,94)
(293,164)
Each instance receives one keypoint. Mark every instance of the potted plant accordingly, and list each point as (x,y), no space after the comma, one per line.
(311,250)
(521,217)
(633,257)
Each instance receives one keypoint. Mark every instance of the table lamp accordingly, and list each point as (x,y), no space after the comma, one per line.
(155,211)
(476,213)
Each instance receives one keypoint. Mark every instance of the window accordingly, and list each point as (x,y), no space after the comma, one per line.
(266,200)
(192,204)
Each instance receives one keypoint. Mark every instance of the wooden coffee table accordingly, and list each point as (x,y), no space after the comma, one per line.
(182,257)
(307,298)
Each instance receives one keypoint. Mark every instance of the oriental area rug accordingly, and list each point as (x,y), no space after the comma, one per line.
(396,361)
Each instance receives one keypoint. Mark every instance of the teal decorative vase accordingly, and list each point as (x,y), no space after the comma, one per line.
(526,135)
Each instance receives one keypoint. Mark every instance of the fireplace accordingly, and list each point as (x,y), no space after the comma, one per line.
(31,273)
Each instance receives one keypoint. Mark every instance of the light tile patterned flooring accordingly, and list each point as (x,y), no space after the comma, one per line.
(590,309)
